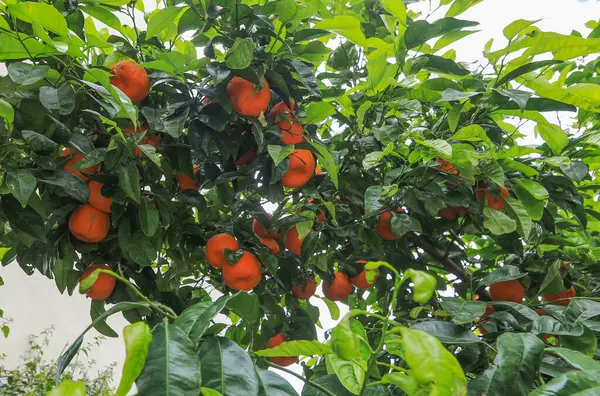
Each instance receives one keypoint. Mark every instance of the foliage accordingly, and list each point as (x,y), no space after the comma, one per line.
(398,126)
(36,376)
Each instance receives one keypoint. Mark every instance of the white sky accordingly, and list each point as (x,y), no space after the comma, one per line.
(17,295)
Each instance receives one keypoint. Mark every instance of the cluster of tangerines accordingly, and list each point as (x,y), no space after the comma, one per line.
(482,191)
(513,291)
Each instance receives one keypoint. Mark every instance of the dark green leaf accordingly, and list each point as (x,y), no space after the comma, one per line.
(26,73)
(21,184)
(571,383)
(463,311)
(279,153)
(420,32)
(272,384)
(68,182)
(447,332)
(576,359)
(529,67)
(586,343)
(129,180)
(96,310)
(502,274)
(148,217)
(38,142)
(497,222)
(403,223)
(61,99)
(576,170)
(196,319)
(307,76)
(246,306)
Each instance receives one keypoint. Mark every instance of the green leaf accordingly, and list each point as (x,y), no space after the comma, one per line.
(534,188)
(307,76)
(533,206)
(571,383)
(21,184)
(241,54)
(587,343)
(515,368)
(272,384)
(61,99)
(423,285)
(129,180)
(419,32)
(138,338)
(209,392)
(403,223)
(227,368)
(246,306)
(344,342)
(497,222)
(431,364)
(68,182)
(350,374)
(329,382)
(516,27)
(317,112)
(162,19)
(460,6)
(38,142)
(172,365)
(396,8)
(375,198)
(471,133)
(25,73)
(296,348)
(519,97)
(575,170)
(502,274)
(529,67)
(583,96)
(440,65)
(553,282)
(349,27)
(45,14)
(279,153)
(304,228)
(69,388)
(148,217)
(327,161)
(463,311)
(334,310)
(97,309)
(136,247)
(553,135)
(447,332)
(517,211)
(450,95)
(196,319)
(441,146)
(577,360)
(7,112)
(12,48)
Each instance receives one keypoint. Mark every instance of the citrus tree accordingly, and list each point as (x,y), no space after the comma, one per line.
(231,157)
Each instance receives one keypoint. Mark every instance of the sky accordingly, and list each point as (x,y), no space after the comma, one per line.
(70,314)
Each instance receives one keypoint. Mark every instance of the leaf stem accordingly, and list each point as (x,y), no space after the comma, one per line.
(309,382)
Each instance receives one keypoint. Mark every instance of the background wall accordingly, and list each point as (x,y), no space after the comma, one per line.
(69,314)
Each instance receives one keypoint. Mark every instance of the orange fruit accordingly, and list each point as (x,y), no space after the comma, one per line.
(89,224)
(215,249)
(320,216)
(282,361)
(244,100)
(318,171)
(306,292)
(540,312)
(451,213)
(301,170)
(282,108)
(243,275)
(496,203)
(360,280)
(339,289)
(104,285)
(187,182)
(489,310)
(482,331)
(271,244)
(550,297)
(132,79)
(384,226)
(246,158)
(70,164)
(97,200)
(291,132)
(445,166)
(292,243)
(504,192)
(511,290)
(260,231)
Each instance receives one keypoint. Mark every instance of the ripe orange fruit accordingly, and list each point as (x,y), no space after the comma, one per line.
(292,243)
(360,280)
(339,289)
(306,292)
(550,297)
(97,200)
(153,141)
(104,285)
(186,182)
(70,164)
(445,166)
(282,361)
(452,212)
(301,170)
(291,132)
(215,249)
(132,79)
(271,244)
(244,100)
(504,192)
(318,171)
(260,231)
(243,275)
(384,226)
(282,108)
(489,310)
(511,290)
(496,203)
(246,158)
(88,224)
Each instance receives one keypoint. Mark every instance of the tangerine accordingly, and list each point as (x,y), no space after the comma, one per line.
(97,200)
(281,361)
(318,171)
(339,289)
(282,108)
(215,249)
(104,284)
(552,297)
(187,182)
(384,226)
(260,230)
(291,132)
(511,290)
(360,280)
(70,164)
(246,158)
(243,275)
(244,100)
(292,241)
(89,224)
(301,170)
(307,291)
(132,79)
(271,244)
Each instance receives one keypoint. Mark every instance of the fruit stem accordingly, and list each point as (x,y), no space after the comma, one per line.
(309,382)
